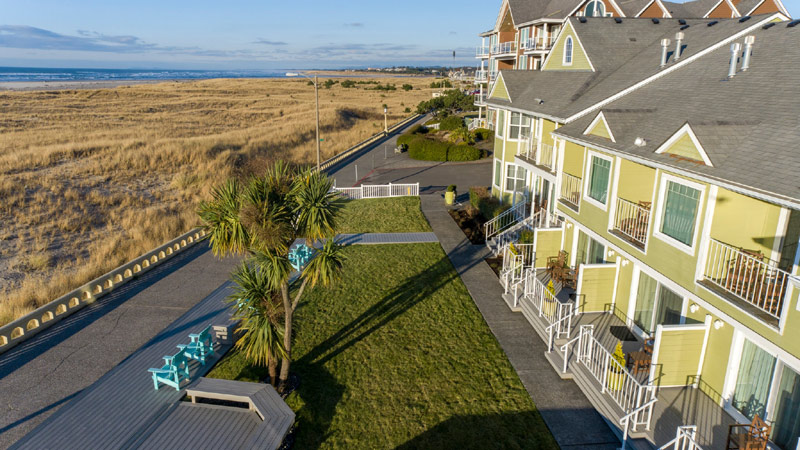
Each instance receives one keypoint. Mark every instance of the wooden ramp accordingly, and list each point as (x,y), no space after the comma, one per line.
(122,405)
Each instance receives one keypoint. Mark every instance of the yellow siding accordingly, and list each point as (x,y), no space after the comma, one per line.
(679,354)
(715,363)
(600,129)
(685,148)
(745,222)
(596,287)
(510,151)
(548,243)
(555,61)
(500,90)
(623,290)
(547,127)
(573,159)
(635,182)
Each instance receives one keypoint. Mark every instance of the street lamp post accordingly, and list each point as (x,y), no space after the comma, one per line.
(316,99)
(385,120)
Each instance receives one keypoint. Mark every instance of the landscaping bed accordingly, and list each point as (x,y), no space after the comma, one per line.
(396,355)
(471,223)
(451,142)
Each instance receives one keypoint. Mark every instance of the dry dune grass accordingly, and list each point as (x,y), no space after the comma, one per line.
(92,178)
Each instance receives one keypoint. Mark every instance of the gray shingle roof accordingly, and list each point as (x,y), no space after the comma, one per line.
(622,54)
(749,125)
(695,9)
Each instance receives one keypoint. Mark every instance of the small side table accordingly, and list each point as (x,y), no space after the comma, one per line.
(640,361)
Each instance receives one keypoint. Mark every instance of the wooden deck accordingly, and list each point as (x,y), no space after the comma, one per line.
(122,406)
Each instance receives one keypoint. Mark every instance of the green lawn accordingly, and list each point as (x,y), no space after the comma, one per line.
(398,356)
(382,215)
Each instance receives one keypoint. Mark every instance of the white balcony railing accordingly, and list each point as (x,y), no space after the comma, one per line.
(684,440)
(481,76)
(544,303)
(480,99)
(528,147)
(571,189)
(482,51)
(747,275)
(504,48)
(547,156)
(478,123)
(541,44)
(504,220)
(631,220)
(492,75)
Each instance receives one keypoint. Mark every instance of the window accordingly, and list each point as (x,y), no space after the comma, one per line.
(753,381)
(655,305)
(568,51)
(589,251)
(523,62)
(599,177)
(786,416)
(498,172)
(680,212)
(595,9)
(501,123)
(523,39)
(520,125)
(515,178)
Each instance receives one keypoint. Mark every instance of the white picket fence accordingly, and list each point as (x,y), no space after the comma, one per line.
(379,191)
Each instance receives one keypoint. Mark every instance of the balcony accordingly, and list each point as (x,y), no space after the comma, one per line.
(482,51)
(480,99)
(538,44)
(504,49)
(631,222)
(746,278)
(571,191)
(481,76)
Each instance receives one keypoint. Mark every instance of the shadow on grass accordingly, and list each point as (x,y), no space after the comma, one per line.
(491,431)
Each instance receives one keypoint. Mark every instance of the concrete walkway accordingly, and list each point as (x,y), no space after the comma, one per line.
(575,424)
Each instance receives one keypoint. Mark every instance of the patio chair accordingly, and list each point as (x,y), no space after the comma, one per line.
(749,436)
(744,272)
(556,265)
(175,370)
(569,276)
(201,347)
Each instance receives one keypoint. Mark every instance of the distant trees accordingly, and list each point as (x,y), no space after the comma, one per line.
(452,101)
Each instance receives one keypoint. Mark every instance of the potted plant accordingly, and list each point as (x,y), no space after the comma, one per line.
(450,195)
(616,373)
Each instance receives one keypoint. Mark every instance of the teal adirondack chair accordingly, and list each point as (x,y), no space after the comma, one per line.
(201,347)
(175,370)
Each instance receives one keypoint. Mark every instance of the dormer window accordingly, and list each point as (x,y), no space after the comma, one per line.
(568,51)
(595,8)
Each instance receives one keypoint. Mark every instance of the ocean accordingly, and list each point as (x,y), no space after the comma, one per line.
(60,75)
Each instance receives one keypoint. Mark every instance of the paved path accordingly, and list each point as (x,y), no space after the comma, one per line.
(575,424)
(39,376)
(118,409)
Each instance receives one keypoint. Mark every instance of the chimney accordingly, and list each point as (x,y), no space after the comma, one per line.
(664,45)
(735,47)
(678,41)
(748,50)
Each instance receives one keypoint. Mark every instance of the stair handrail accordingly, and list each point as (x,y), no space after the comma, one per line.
(684,435)
(626,419)
(550,329)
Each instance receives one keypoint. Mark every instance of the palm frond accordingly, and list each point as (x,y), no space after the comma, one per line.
(316,205)
(221,218)
(275,267)
(326,267)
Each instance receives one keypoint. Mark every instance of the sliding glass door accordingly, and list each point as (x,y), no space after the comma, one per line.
(655,305)
(753,381)
(589,251)
(786,416)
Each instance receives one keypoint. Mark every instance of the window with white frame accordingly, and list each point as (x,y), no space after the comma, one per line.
(498,172)
(754,380)
(568,51)
(501,123)
(519,127)
(599,179)
(588,250)
(680,204)
(523,37)
(515,178)
(523,62)
(655,305)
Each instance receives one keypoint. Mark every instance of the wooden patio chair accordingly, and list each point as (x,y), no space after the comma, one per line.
(556,265)
(749,436)
(743,271)
(200,347)
(569,277)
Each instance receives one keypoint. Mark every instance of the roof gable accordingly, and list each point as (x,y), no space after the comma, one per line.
(599,127)
(499,89)
(580,60)
(684,144)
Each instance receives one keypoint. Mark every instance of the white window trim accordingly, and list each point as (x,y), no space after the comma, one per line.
(662,194)
(501,126)
(525,180)
(587,180)
(597,119)
(568,39)
(522,128)
(494,175)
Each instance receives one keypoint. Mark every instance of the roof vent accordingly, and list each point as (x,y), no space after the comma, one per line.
(618,19)
(713,22)
(748,50)
(768,26)
(678,41)
(640,142)
(538,101)
(684,27)
(664,45)
(793,23)
(744,19)
(582,19)
(656,21)
(681,22)
(735,47)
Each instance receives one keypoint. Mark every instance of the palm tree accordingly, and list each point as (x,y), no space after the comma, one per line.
(263,218)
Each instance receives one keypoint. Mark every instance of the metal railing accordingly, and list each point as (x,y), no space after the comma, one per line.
(480,99)
(632,220)
(547,156)
(684,440)
(538,44)
(505,219)
(478,123)
(747,275)
(379,191)
(625,421)
(504,47)
(544,303)
(571,189)
(615,379)
(481,76)
(482,51)
(529,147)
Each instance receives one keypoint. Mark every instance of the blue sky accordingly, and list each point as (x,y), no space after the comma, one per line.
(243,34)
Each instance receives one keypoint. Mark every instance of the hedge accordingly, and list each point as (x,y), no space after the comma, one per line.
(488,205)
(463,153)
(451,123)
(432,150)
(483,134)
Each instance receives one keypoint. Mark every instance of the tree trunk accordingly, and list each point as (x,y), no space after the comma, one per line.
(273,371)
(287,337)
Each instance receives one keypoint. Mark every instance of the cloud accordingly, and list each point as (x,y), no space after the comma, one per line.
(354,25)
(266,42)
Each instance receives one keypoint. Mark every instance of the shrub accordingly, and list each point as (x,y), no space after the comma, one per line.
(463,153)
(408,110)
(451,188)
(526,237)
(482,134)
(407,87)
(488,206)
(428,150)
(452,100)
(418,129)
(348,83)
(405,139)
(451,123)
